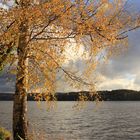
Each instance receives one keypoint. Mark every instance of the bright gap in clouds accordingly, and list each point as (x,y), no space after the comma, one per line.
(74,52)
(4,6)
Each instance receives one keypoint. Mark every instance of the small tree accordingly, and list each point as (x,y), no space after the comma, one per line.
(35,35)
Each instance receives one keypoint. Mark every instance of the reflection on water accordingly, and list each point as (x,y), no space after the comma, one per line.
(109,121)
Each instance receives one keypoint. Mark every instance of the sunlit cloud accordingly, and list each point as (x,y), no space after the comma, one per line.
(74,52)
(4,6)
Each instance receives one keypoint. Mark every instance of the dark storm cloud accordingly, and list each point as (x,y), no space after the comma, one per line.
(7,83)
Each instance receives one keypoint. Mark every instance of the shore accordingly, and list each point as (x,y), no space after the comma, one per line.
(114,95)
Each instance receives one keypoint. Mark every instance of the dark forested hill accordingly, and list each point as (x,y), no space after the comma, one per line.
(114,95)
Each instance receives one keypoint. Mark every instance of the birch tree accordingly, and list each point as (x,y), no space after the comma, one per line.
(35,34)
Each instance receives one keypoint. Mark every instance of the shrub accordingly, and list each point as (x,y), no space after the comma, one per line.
(4,134)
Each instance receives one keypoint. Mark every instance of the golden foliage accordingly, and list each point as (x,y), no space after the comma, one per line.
(99,26)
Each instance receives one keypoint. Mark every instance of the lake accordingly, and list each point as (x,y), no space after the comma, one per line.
(104,121)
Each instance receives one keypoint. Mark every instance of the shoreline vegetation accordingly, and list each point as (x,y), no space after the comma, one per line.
(4,134)
(114,95)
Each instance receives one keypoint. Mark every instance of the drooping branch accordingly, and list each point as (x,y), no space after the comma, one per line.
(71,75)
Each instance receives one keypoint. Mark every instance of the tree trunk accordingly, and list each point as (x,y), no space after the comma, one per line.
(20,98)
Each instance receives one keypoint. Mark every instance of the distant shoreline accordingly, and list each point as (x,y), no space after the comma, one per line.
(114,95)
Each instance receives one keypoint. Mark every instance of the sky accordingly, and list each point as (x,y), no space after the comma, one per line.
(121,72)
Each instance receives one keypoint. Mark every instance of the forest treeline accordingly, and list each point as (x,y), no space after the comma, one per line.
(114,95)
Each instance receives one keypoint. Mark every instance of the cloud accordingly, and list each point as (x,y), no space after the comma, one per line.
(137,80)
(7,83)
(116,83)
(123,71)
(4,6)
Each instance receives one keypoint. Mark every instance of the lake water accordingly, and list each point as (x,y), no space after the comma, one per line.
(105,121)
